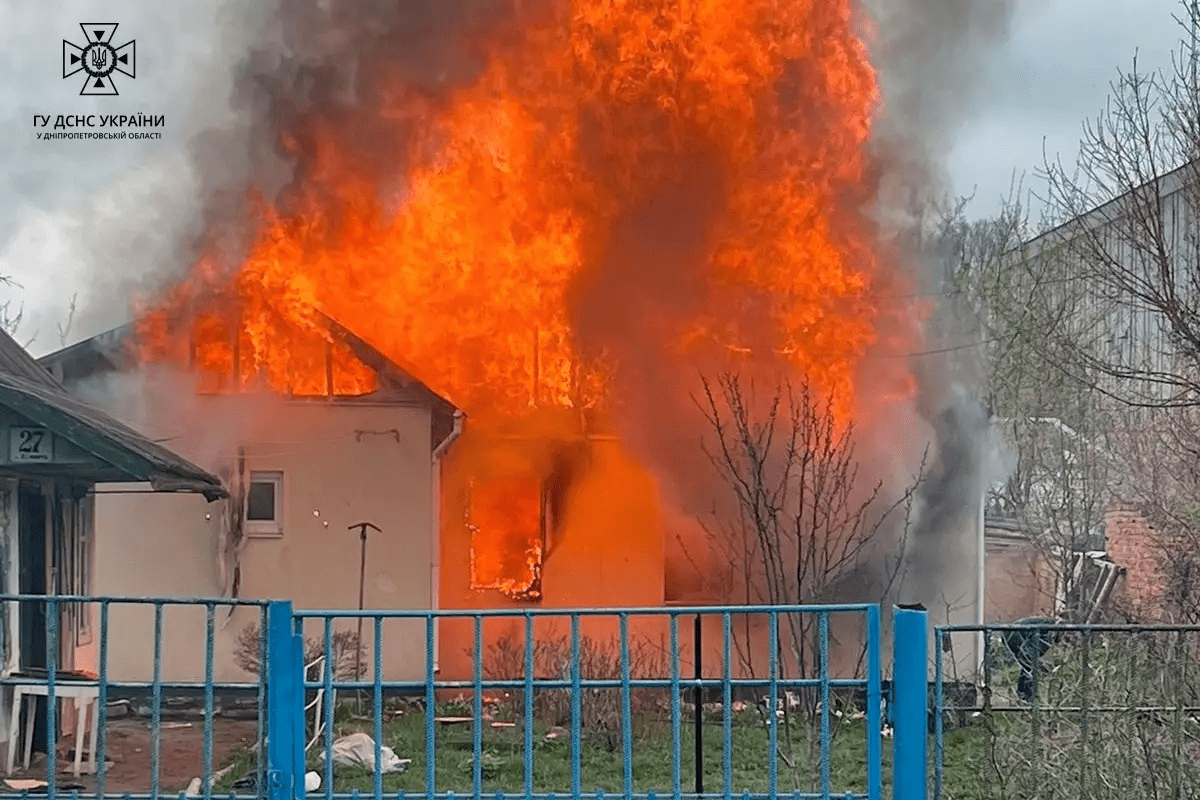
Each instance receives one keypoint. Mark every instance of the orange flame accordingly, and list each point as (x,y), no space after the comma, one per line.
(512,195)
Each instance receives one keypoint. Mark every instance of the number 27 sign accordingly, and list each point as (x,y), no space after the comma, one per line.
(30,444)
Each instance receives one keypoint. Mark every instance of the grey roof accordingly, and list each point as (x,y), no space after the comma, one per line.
(30,390)
(1168,183)
(16,362)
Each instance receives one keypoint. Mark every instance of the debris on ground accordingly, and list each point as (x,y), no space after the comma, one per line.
(24,784)
(32,785)
(358,750)
(196,787)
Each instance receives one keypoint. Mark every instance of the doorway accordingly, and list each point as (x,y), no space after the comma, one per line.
(31,551)
(31,580)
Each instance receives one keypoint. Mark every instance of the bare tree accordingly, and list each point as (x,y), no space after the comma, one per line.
(1128,232)
(11,311)
(806,528)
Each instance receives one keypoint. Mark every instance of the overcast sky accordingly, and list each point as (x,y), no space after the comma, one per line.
(1052,76)
(87,216)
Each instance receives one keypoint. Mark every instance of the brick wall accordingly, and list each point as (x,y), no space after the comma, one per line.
(1136,545)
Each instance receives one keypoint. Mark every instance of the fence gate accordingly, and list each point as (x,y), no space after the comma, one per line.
(748,702)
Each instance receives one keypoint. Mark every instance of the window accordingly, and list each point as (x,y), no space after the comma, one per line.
(506,521)
(264,504)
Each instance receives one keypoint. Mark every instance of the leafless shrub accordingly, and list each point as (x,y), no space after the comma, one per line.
(599,659)
(344,655)
(807,527)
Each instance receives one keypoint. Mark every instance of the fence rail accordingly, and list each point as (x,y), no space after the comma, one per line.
(72,658)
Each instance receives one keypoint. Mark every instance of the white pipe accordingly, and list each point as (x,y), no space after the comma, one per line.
(981,591)
(440,450)
(435,565)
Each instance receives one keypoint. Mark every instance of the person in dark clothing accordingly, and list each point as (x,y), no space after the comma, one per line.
(1028,646)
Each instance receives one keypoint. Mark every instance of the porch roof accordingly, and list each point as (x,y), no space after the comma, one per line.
(30,391)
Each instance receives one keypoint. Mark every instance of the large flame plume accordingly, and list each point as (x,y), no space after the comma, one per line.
(681,178)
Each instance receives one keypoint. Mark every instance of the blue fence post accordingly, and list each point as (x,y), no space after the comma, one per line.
(284,672)
(910,694)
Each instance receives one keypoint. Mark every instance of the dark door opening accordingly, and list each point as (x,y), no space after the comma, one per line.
(31,572)
(31,548)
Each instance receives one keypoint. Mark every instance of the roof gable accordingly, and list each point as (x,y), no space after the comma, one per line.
(16,361)
(110,351)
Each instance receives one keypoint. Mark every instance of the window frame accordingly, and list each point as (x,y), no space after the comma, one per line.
(263,528)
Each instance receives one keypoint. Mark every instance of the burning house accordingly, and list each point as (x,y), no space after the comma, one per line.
(350,437)
(466,518)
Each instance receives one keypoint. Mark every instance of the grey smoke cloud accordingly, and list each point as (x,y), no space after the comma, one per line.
(935,61)
(96,218)
(936,58)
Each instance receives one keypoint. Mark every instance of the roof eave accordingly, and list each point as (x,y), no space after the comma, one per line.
(55,411)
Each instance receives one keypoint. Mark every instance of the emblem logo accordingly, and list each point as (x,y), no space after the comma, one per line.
(99,59)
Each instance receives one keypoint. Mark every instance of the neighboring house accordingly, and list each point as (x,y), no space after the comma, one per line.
(1151,228)
(1148,238)
(301,470)
(1045,541)
(54,451)
(1028,579)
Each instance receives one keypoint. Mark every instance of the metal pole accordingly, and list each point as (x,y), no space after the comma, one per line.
(910,687)
(981,582)
(362,582)
(698,650)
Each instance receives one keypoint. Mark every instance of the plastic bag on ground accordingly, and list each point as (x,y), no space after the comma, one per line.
(358,750)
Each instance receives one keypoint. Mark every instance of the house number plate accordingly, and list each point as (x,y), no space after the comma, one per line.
(30,444)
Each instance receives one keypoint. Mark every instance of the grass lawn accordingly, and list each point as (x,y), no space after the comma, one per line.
(602,762)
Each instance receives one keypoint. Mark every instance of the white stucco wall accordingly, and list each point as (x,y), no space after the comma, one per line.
(342,463)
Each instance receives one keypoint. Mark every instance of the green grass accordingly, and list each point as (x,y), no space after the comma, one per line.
(602,762)
(601,765)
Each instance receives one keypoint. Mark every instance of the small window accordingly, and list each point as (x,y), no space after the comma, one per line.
(264,504)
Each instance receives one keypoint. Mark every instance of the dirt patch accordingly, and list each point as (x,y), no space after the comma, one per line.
(127,749)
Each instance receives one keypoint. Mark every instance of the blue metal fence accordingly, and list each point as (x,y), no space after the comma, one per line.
(80,628)
(603,710)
